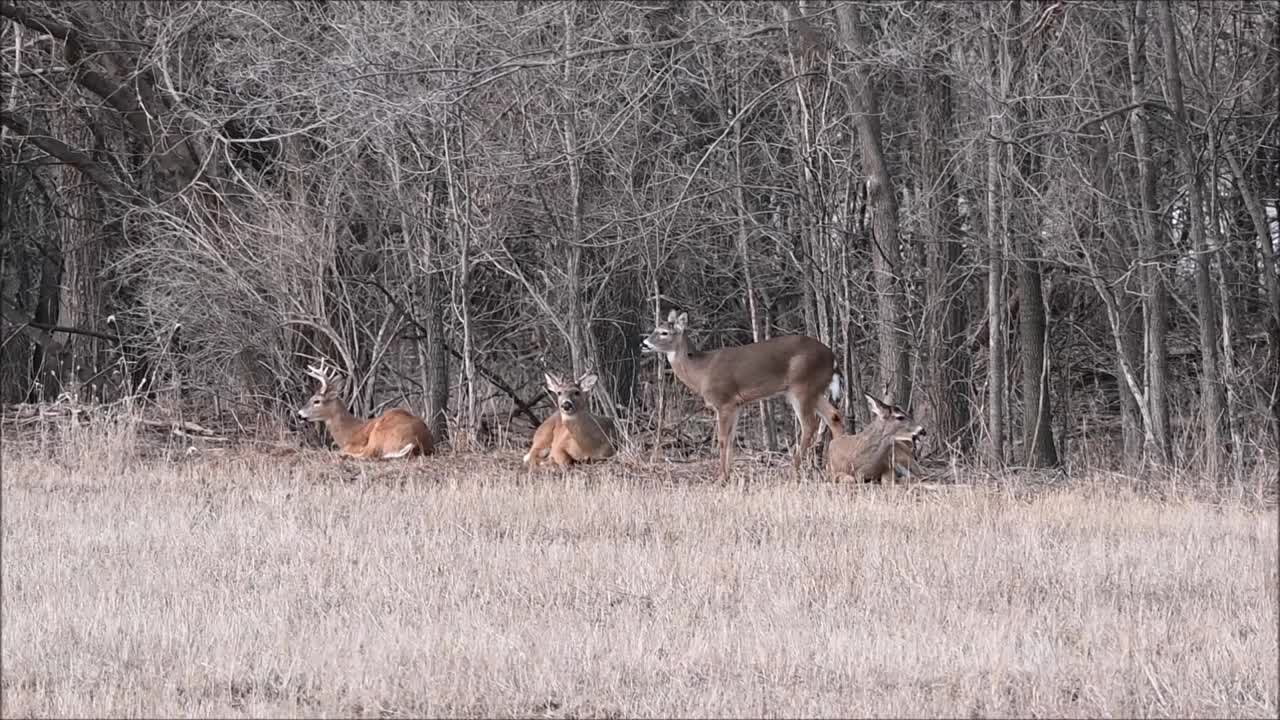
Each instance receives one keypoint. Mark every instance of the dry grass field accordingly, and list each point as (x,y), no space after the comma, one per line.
(249,583)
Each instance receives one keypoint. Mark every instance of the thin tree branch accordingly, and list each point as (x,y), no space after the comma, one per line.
(91,168)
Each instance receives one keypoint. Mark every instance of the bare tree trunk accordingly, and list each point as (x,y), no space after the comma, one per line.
(895,370)
(1133,428)
(571,247)
(1267,270)
(460,223)
(1270,175)
(1122,258)
(436,357)
(1037,427)
(1220,261)
(1154,293)
(948,369)
(82,262)
(1038,445)
(806,220)
(748,277)
(997,231)
(1211,392)
(49,300)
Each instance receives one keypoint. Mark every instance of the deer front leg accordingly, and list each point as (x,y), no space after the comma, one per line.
(361,452)
(809,424)
(726,423)
(561,457)
(536,455)
(543,439)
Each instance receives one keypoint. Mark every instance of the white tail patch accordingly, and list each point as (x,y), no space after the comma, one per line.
(836,388)
(402,451)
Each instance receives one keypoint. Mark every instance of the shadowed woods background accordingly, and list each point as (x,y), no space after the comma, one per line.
(1049,228)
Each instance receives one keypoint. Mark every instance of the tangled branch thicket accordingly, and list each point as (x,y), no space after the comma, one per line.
(1050,228)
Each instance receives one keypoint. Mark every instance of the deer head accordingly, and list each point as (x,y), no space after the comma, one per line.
(667,337)
(894,421)
(571,396)
(324,404)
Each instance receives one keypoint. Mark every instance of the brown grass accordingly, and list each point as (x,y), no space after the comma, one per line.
(293,584)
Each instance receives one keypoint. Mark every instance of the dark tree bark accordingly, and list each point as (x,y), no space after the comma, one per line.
(1155,304)
(1037,427)
(171,141)
(437,346)
(945,318)
(997,233)
(1212,401)
(895,370)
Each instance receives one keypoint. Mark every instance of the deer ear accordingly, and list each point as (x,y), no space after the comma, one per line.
(876,407)
(553,383)
(682,321)
(588,381)
(671,317)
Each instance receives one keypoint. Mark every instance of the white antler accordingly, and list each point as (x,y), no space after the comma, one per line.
(323,374)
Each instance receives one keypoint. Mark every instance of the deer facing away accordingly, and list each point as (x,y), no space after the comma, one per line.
(396,433)
(884,448)
(573,434)
(799,366)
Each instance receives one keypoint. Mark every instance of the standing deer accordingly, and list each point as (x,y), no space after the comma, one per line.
(573,434)
(801,367)
(396,433)
(884,448)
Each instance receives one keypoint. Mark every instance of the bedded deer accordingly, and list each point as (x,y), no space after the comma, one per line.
(573,434)
(395,433)
(884,448)
(799,366)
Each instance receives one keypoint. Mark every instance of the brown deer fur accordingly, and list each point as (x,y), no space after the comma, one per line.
(883,448)
(574,434)
(798,366)
(394,434)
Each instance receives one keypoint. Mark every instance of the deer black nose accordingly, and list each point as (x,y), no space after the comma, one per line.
(567,406)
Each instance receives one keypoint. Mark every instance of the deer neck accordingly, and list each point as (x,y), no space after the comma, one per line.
(883,440)
(577,421)
(688,365)
(342,424)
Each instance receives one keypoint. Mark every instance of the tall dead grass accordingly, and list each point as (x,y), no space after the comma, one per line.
(249,584)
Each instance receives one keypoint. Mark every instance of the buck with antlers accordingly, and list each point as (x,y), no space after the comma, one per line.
(573,434)
(396,433)
(799,366)
(884,448)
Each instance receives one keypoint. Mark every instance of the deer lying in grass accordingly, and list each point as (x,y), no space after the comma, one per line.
(801,367)
(574,434)
(884,448)
(396,433)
